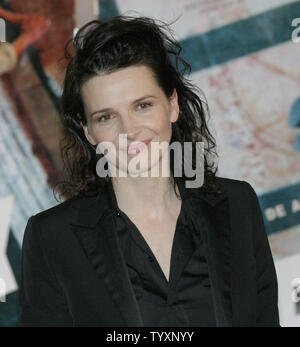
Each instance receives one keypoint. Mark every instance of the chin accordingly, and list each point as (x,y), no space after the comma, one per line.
(141,172)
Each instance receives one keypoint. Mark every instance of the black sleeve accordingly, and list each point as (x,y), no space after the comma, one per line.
(267,314)
(41,301)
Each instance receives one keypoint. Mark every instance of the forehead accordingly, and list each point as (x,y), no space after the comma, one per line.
(122,85)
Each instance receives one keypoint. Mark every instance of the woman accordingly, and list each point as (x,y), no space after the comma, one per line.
(129,250)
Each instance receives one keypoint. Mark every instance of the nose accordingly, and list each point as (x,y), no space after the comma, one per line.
(129,127)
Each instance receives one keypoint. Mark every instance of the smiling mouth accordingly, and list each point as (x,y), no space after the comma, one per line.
(136,147)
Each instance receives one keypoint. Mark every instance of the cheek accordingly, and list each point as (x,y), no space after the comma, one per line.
(159,116)
(103,134)
(162,124)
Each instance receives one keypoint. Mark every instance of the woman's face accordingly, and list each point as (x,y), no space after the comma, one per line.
(128,101)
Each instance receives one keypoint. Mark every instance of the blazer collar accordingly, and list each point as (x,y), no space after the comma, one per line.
(93,225)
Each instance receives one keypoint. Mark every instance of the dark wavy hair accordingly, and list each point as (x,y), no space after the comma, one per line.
(104,47)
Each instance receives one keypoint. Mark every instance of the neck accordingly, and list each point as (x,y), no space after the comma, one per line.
(150,196)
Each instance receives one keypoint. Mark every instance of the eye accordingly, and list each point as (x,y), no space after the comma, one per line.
(103,118)
(144,105)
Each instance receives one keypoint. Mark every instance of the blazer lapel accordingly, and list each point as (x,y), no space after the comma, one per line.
(213,221)
(94,228)
(211,215)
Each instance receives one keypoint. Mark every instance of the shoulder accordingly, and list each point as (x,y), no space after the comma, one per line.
(51,229)
(240,193)
(245,211)
(58,212)
(58,217)
(236,186)
(232,183)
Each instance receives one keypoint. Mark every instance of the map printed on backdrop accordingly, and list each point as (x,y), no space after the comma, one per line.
(245,62)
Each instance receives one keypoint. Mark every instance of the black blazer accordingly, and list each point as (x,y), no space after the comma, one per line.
(73,272)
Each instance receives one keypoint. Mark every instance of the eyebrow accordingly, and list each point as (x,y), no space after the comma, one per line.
(110,109)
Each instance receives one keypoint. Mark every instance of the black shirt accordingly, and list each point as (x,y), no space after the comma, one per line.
(183,301)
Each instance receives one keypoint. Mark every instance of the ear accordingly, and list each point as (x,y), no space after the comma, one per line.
(87,134)
(174,106)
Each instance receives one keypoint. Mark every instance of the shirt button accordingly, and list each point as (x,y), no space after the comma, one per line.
(118,214)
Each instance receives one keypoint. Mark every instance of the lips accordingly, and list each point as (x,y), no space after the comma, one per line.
(136,146)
